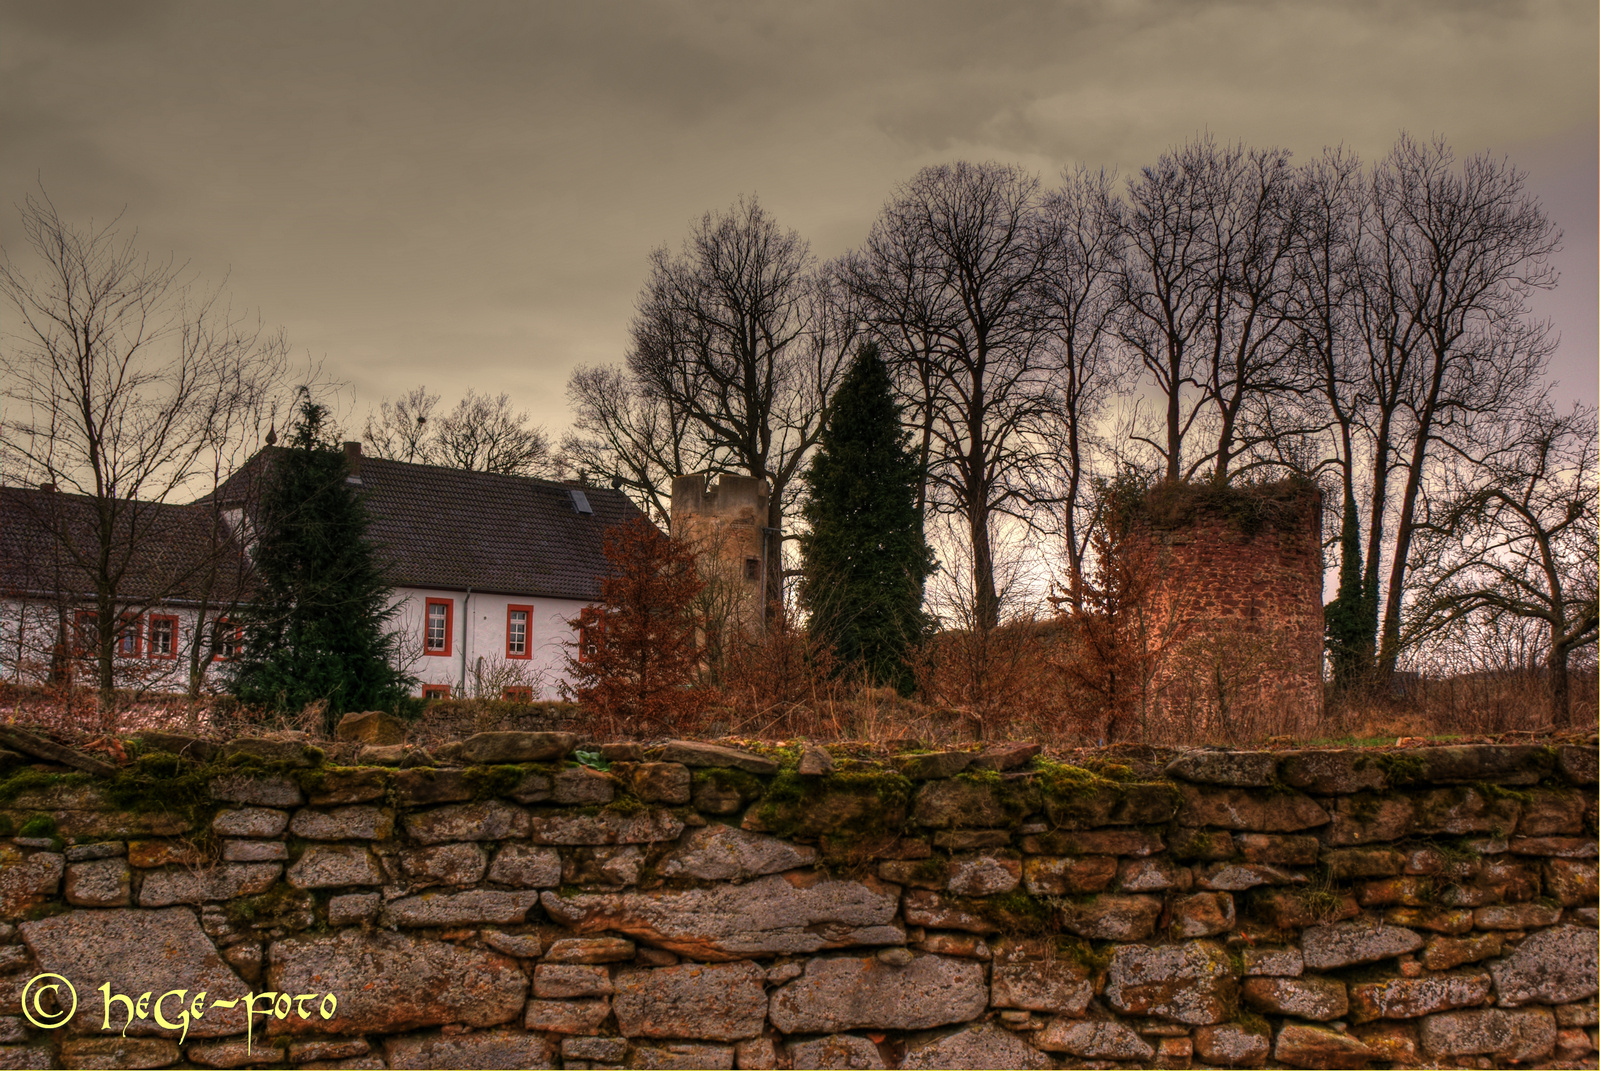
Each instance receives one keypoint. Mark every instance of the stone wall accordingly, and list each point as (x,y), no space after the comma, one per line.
(499,904)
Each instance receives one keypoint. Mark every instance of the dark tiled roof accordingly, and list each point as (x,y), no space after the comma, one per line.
(162,552)
(453,529)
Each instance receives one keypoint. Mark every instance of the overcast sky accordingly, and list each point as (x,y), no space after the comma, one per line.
(465,194)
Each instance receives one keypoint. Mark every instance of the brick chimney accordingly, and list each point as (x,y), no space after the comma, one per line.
(352,460)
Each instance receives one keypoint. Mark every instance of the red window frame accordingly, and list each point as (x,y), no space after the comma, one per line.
(225,631)
(527,630)
(130,639)
(591,627)
(449,626)
(517,693)
(86,633)
(436,691)
(150,634)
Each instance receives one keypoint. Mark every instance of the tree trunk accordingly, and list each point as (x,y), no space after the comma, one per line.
(1560,694)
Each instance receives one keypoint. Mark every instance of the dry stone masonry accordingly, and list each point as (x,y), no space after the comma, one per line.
(501,904)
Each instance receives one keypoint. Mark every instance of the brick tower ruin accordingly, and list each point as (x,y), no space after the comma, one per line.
(1235,607)
(723,517)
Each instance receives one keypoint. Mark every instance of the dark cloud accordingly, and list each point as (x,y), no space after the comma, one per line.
(466,193)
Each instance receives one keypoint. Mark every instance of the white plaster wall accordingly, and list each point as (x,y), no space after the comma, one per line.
(28,633)
(479,631)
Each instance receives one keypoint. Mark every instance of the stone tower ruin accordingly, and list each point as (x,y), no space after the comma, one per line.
(1234,606)
(723,517)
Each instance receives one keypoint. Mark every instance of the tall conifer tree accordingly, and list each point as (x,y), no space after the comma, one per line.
(317,625)
(866,558)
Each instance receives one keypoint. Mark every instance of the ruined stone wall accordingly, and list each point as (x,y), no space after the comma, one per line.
(1236,601)
(498,904)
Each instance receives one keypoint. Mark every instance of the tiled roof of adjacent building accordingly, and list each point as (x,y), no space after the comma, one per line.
(454,529)
(162,553)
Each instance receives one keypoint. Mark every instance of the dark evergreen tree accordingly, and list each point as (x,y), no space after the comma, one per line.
(316,625)
(865,558)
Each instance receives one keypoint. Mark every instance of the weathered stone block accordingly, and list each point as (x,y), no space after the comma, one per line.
(1579,764)
(1304,1045)
(725,853)
(1100,1041)
(450,864)
(326,866)
(562,981)
(1465,809)
(1236,877)
(713,1001)
(686,1055)
(492,749)
(976,1046)
(358,822)
(1112,803)
(488,1049)
(1332,773)
(566,1016)
(662,782)
(607,827)
(694,753)
(26,879)
(255,851)
(250,822)
(1006,756)
(1203,914)
(1555,966)
(1190,983)
(604,1050)
(101,883)
(1239,768)
(580,786)
(526,867)
(252,1053)
(1410,998)
(423,786)
(1571,883)
(1057,986)
(848,993)
(460,909)
(1281,849)
(516,945)
(1294,909)
(1451,921)
(1506,764)
(1136,842)
(1272,962)
(835,1051)
(590,950)
(260,791)
(135,951)
(118,1052)
(927,908)
(1112,917)
(371,727)
(968,804)
(352,908)
(1233,1045)
(934,765)
(1152,875)
(1343,944)
(488,820)
(1306,997)
(1046,875)
(388,983)
(1442,953)
(1524,916)
(1238,808)
(1368,818)
(162,888)
(1346,863)
(776,914)
(1521,1036)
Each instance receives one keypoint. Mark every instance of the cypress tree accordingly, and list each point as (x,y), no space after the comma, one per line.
(865,558)
(316,625)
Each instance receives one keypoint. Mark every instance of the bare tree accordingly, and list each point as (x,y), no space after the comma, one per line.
(123,379)
(1514,535)
(484,434)
(733,335)
(1211,241)
(641,442)
(949,285)
(400,431)
(1448,258)
(1081,233)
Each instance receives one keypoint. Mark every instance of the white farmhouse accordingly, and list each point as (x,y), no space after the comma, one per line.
(488,572)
